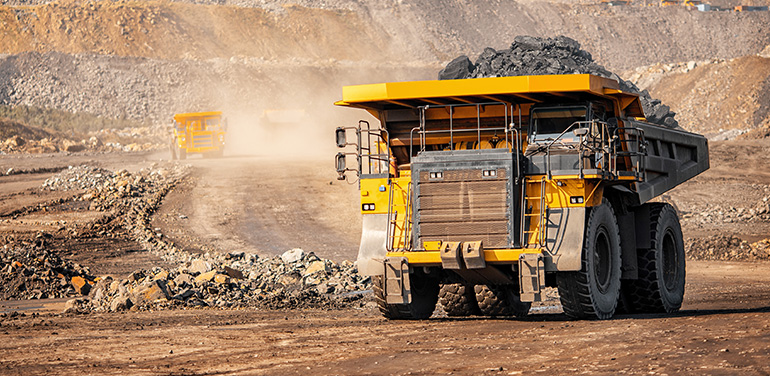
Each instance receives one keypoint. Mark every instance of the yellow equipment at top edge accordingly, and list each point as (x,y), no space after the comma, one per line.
(180,117)
(518,89)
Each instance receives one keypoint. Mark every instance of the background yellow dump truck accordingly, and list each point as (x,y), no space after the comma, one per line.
(198,132)
(479,193)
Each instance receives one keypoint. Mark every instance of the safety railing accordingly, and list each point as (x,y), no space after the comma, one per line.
(372,150)
(601,149)
(508,128)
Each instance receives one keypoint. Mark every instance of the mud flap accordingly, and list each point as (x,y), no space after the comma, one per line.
(564,238)
(397,288)
(372,251)
(531,277)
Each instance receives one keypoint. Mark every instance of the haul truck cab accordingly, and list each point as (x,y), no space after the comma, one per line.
(479,193)
(198,132)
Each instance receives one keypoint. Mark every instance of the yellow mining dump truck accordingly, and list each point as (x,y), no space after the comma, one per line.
(198,132)
(479,193)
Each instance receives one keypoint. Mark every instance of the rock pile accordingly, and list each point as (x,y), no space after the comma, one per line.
(539,56)
(295,279)
(105,140)
(37,274)
(727,248)
(235,280)
(78,177)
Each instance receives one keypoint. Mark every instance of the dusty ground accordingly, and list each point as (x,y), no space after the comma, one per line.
(265,206)
(253,204)
(723,328)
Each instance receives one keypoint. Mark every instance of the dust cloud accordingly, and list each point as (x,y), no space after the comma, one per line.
(290,114)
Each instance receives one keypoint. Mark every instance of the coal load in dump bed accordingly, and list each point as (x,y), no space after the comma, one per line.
(538,56)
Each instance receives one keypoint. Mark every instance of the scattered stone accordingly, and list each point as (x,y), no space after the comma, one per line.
(77,305)
(315,267)
(237,274)
(199,266)
(121,303)
(206,277)
(292,255)
(151,292)
(81,285)
(221,278)
(286,281)
(183,280)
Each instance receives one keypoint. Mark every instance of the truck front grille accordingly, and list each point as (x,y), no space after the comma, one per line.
(464,206)
(202,140)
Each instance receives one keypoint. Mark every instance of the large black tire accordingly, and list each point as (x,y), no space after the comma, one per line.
(660,286)
(593,291)
(424,297)
(458,299)
(500,300)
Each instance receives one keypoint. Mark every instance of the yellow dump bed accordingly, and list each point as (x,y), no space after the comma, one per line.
(519,89)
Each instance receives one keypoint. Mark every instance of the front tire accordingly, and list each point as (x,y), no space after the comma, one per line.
(661,282)
(424,291)
(592,292)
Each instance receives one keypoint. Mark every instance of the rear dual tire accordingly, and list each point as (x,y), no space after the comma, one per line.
(424,289)
(458,299)
(661,282)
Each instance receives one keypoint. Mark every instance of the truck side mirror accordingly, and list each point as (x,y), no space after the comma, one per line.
(340,162)
(341,136)
(580,132)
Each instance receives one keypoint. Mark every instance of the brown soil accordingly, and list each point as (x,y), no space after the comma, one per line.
(267,205)
(21,217)
(264,206)
(9,128)
(717,96)
(722,329)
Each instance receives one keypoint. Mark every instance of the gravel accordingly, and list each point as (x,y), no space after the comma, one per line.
(295,279)
(530,55)
(34,273)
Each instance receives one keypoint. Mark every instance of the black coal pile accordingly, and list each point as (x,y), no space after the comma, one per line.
(541,56)
(32,273)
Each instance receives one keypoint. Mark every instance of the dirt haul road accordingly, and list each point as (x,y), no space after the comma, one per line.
(724,328)
(264,206)
(260,205)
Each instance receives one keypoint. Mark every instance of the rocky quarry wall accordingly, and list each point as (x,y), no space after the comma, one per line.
(151,59)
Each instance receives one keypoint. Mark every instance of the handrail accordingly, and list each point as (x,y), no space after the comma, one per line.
(423,132)
(611,146)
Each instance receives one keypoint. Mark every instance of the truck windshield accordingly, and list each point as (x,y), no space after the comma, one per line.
(548,123)
(212,123)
